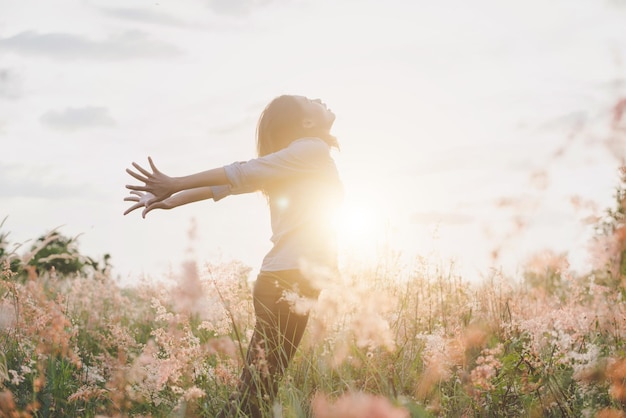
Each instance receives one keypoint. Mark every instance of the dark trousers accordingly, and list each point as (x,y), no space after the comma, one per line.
(277,334)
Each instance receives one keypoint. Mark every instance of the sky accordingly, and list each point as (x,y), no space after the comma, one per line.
(465,127)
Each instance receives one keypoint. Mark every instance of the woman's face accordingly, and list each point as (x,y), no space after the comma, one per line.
(317,115)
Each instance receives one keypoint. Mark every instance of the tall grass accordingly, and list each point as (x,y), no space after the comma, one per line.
(386,340)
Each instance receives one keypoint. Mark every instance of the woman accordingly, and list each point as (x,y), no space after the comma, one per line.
(297,174)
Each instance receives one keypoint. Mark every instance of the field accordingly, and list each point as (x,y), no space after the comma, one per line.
(387,339)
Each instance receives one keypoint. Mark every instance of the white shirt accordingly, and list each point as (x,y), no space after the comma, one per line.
(304,191)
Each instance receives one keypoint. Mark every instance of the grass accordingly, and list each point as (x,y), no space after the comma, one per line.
(387,340)
(424,346)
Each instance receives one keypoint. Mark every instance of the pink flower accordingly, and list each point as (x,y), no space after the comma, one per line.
(356,405)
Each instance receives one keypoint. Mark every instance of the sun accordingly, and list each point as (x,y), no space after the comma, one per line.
(360,229)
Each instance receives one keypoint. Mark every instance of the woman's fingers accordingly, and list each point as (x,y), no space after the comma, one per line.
(151,206)
(142,195)
(132,208)
(145,195)
(154,169)
(137,176)
(137,196)
(137,188)
(142,200)
(142,170)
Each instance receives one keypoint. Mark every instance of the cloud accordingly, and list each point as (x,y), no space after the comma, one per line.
(147,16)
(447,218)
(236,7)
(72,119)
(10,84)
(18,182)
(130,44)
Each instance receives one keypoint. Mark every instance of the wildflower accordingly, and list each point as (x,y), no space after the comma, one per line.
(616,373)
(610,413)
(7,316)
(588,366)
(225,375)
(474,336)
(440,356)
(224,346)
(87,393)
(482,375)
(356,405)
(298,304)
(193,392)
(7,405)
(16,378)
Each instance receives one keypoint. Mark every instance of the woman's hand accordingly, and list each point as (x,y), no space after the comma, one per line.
(143,200)
(156,183)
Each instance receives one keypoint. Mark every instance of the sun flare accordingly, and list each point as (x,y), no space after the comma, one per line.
(360,229)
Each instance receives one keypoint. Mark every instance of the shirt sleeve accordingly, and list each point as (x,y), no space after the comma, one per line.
(220,192)
(224,190)
(302,156)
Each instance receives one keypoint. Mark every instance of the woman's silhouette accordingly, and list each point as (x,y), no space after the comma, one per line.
(297,174)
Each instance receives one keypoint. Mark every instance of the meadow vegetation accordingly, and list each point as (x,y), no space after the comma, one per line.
(387,340)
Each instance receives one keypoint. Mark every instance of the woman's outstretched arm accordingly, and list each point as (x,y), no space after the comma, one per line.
(178,199)
(163,186)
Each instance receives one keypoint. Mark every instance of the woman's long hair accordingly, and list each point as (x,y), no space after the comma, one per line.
(281,123)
